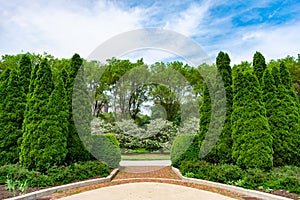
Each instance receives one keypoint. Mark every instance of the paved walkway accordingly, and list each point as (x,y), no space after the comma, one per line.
(147,191)
(145,163)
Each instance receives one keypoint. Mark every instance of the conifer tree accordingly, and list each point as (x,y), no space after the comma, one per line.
(205,113)
(55,128)
(37,109)
(221,152)
(259,66)
(283,115)
(252,140)
(11,118)
(25,72)
(76,150)
(3,85)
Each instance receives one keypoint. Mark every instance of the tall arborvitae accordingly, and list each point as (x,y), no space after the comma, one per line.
(3,85)
(76,150)
(52,151)
(283,116)
(252,140)
(205,113)
(30,156)
(11,119)
(221,152)
(29,102)
(4,78)
(259,66)
(25,72)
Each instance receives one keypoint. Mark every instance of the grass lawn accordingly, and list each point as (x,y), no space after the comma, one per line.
(144,156)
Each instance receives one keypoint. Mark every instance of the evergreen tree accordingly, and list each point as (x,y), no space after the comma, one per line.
(11,118)
(37,109)
(55,128)
(221,152)
(252,140)
(29,102)
(25,72)
(283,115)
(205,113)
(76,150)
(259,66)
(4,77)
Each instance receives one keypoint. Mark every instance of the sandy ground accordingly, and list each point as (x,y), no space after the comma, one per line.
(147,191)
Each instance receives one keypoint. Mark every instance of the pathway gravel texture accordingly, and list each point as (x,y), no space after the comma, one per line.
(147,191)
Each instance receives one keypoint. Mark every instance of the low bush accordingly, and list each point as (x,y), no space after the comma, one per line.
(218,173)
(55,175)
(285,178)
(184,148)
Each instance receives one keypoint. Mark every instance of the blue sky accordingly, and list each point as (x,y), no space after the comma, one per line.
(240,28)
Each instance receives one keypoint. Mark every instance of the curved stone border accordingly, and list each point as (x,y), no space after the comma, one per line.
(48,191)
(239,190)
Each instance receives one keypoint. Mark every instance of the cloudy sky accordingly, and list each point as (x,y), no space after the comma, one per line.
(240,28)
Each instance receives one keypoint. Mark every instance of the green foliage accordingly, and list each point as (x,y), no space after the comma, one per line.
(11,186)
(221,151)
(25,72)
(33,142)
(252,140)
(113,139)
(54,175)
(205,113)
(218,173)
(286,178)
(259,66)
(75,147)
(55,128)
(11,119)
(283,115)
(184,148)
(105,148)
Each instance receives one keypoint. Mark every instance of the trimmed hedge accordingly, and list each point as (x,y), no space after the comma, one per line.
(105,148)
(184,148)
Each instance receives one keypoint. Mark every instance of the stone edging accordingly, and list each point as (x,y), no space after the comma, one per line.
(239,190)
(48,191)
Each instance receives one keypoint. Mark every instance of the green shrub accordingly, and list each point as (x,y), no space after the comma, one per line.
(15,172)
(226,173)
(184,148)
(218,173)
(105,148)
(113,139)
(54,175)
(255,178)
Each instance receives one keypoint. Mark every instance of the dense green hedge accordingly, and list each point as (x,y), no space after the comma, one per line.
(105,148)
(54,175)
(185,147)
(279,178)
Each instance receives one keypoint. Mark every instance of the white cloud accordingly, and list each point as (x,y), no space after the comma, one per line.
(187,22)
(62,29)
(273,42)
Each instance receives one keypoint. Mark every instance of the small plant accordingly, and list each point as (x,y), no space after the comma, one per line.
(11,185)
(269,190)
(231,182)
(189,175)
(22,186)
(240,182)
(261,187)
